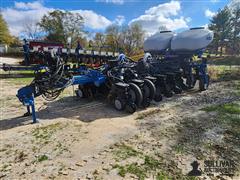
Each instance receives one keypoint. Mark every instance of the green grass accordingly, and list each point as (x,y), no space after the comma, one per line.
(231,108)
(228,115)
(42,158)
(29,72)
(45,133)
(228,60)
(179,148)
(133,168)
(238,88)
(162,176)
(150,165)
(124,152)
(223,73)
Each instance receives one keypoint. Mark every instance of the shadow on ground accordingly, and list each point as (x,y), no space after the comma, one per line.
(70,108)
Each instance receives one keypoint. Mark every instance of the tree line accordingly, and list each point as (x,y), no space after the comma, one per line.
(60,26)
(226,26)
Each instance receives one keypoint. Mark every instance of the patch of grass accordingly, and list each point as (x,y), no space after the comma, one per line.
(132,168)
(42,158)
(121,170)
(179,148)
(231,108)
(124,152)
(228,60)
(148,113)
(29,72)
(237,88)
(151,163)
(45,133)
(228,115)
(137,170)
(151,166)
(233,123)
(162,176)
(60,148)
(223,73)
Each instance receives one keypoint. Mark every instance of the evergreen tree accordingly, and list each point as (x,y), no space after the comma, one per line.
(236,30)
(222,27)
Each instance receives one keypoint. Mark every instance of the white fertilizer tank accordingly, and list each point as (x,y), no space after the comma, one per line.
(158,42)
(192,40)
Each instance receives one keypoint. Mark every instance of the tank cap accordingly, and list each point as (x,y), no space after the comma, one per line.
(197,28)
(165,31)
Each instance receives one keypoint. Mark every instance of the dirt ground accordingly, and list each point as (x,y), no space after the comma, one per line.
(9,60)
(81,139)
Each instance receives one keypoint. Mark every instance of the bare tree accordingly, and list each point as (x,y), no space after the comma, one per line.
(99,40)
(31,29)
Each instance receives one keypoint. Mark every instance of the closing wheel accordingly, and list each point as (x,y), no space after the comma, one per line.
(131,107)
(168,92)
(79,93)
(149,89)
(135,93)
(119,104)
(158,95)
(146,103)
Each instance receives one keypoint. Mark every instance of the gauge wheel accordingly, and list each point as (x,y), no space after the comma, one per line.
(135,94)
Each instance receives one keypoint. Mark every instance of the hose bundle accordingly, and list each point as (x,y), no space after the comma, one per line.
(50,80)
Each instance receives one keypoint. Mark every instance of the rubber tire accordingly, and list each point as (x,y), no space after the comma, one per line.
(138,93)
(122,104)
(146,103)
(151,87)
(168,92)
(158,96)
(131,108)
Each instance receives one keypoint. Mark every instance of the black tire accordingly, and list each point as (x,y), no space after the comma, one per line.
(136,95)
(79,93)
(158,96)
(168,92)
(149,89)
(118,104)
(146,103)
(131,107)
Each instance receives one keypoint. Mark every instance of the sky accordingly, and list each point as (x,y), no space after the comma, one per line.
(176,15)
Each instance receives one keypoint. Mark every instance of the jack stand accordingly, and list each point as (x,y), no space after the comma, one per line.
(29,102)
